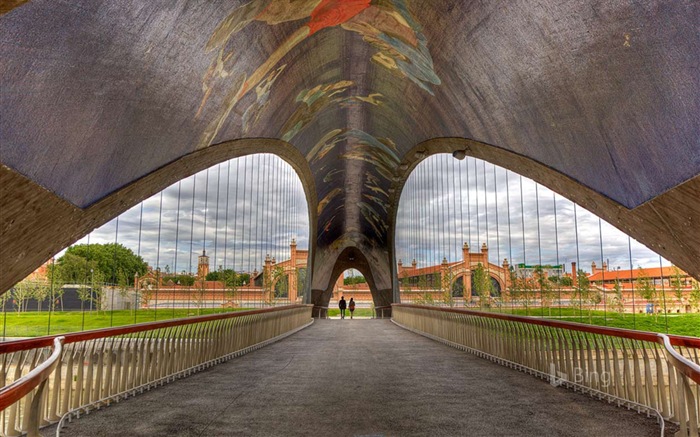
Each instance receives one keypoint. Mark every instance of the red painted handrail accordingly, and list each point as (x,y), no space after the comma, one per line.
(684,365)
(33,343)
(20,388)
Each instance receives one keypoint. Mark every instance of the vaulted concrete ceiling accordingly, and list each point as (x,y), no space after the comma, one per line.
(604,95)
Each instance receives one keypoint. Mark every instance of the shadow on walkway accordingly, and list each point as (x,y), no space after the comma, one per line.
(360,378)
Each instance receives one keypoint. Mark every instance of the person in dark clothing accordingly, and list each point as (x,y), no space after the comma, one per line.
(342,305)
(351,306)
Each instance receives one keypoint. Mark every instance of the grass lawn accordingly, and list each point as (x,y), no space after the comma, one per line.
(35,324)
(678,324)
(359,312)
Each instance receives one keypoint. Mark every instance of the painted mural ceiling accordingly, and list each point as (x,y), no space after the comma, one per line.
(96,94)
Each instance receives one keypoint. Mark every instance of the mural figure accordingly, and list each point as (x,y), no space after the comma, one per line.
(386,25)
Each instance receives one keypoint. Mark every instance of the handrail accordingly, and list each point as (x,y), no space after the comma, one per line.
(20,388)
(676,340)
(20,345)
(684,365)
(681,363)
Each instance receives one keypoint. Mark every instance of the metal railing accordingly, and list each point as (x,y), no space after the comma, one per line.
(649,372)
(96,368)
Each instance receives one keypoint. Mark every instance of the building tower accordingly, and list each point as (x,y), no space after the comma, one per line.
(203,265)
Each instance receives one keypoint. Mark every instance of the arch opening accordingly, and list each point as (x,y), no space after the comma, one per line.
(234,235)
(471,233)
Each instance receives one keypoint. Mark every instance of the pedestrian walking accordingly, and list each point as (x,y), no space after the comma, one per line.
(342,305)
(351,306)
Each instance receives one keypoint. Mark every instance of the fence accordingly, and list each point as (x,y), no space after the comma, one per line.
(95,368)
(642,370)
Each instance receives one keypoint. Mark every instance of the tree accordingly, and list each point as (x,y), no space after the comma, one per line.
(584,293)
(352,280)
(545,288)
(109,259)
(41,291)
(74,269)
(677,286)
(446,288)
(301,281)
(618,302)
(694,298)
(281,283)
(647,290)
(21,292)
(56,284)
(481,284)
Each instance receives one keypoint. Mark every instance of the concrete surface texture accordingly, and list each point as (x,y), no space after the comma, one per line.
(360,378)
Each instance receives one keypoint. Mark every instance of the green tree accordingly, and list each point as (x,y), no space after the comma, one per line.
(482,286)
(584,293)
(694,298)
(41,291)
(352,280)
(677,286)
(21,292)
(647,290)
(281,283)
(618,301)
(545,288)
(56,283)
(301,281)
(446,288)
(109,259)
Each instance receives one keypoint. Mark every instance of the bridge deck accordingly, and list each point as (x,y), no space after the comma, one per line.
(361,377)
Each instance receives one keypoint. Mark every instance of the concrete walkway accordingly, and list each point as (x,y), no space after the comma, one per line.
(361,378)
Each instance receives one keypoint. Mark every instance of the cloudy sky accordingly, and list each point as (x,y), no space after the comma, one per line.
(539,227)
(245,208)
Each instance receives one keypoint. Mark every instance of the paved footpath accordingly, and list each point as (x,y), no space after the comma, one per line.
(360,378)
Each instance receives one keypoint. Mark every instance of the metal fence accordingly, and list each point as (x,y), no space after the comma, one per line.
(96,368)
(649,372)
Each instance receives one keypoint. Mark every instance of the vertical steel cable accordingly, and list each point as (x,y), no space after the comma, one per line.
(441,212)
(663,293)
(522,218)
(469,202)
(201,299)
(114,272)
(453,213)
(522,223)
(578,267)
(158,272)
(235,228)
(216,237)
(189,268)
(138,253)
(602,264)
(177,239)
(51,302)
(245,242)
(556,240)
(476,196)
(498,235)
(539,244)
(486,212)
(634,306)
(510,243)
(87,269)
(228,198)
(462,235)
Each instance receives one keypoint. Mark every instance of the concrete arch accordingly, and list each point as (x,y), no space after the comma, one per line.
(667,223)
(347,257)
(36,223)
